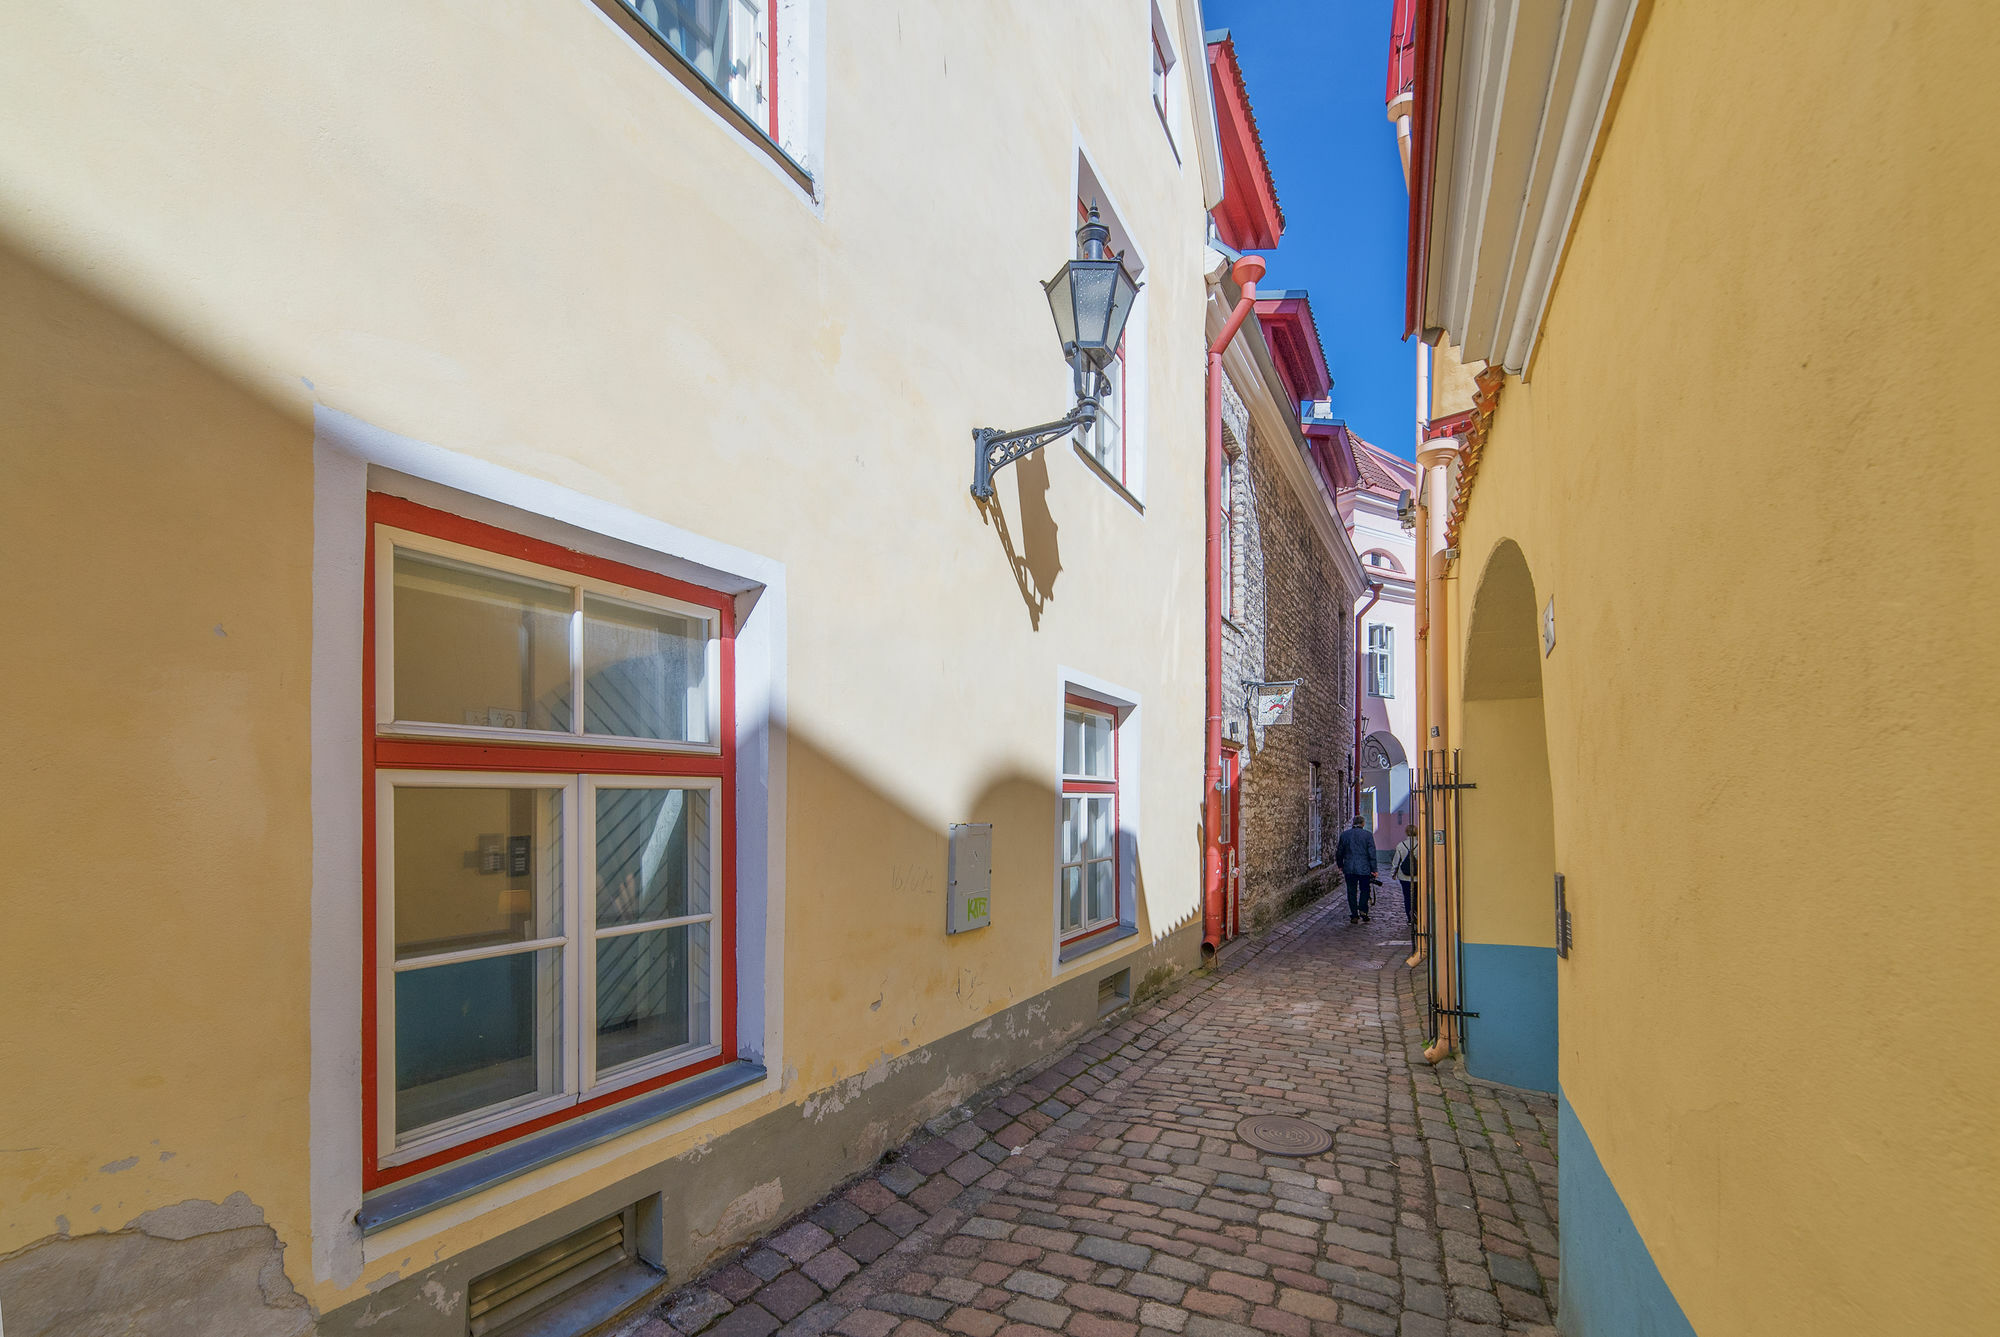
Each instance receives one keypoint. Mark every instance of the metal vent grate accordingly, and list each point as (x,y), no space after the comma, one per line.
(546,1275)
(1114,991)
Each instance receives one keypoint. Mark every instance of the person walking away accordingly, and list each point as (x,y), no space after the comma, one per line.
(1404,864)
(1355,853)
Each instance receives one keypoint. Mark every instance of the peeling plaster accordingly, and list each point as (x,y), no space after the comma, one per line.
(190,1269)
(738,1219)
(117,1167)
(442,1300)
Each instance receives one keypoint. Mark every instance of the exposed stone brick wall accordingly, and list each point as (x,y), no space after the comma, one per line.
(1292,622)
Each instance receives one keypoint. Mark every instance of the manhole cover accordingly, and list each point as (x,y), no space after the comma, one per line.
(1282,1135)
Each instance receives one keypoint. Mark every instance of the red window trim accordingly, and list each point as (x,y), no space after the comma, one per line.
(771,56)
(420,754)
(1111,787)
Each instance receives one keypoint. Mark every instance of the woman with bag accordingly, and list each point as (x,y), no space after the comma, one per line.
(1405,862)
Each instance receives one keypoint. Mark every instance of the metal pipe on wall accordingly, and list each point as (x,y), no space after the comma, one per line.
(1246,271)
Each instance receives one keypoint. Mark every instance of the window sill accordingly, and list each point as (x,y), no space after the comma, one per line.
(1083,947)
(400,1202)
(1110,478)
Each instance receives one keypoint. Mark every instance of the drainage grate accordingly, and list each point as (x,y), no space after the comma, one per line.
(1283,1135)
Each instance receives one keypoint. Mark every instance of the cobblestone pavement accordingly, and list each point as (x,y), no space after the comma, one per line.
(1107,1195)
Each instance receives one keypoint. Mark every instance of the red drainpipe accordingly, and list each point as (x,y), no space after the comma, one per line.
(1246,272)
(1354,768)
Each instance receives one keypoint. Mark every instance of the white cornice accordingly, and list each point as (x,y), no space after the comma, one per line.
(1520,108)
(1201,98)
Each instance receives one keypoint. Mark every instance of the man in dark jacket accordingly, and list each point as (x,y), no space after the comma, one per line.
(1356,856)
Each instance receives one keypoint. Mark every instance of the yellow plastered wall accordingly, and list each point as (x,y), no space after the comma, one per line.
(156,897)
(518,239)
(1752,474)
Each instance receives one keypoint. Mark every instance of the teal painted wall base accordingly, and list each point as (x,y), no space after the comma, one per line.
(1513,1039)
(1609,1285)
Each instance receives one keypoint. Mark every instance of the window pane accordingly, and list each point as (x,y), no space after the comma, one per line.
(479,647)
(476,868)
(1102,895)
(476,1035)
(1087,744)
(1072,898)
(652,855)
(1072,830)
(723,39)
(1101,834)
(644,673)
(653,994)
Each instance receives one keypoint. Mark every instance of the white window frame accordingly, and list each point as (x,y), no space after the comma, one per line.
(1086,925)
(1381,660)
(578,1079)
(1164,59)
(388,538)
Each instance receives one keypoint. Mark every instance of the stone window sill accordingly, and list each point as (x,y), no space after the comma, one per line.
(1076,951)
(411,1198)
(1110,478)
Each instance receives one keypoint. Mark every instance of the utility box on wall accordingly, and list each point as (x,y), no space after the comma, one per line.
(969,886)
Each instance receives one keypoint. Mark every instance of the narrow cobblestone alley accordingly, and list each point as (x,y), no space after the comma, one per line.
(1108,1195)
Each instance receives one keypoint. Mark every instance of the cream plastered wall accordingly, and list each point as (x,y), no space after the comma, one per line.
(517,238)
(1776,1024)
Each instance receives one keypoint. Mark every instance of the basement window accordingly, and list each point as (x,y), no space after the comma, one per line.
(583,1282)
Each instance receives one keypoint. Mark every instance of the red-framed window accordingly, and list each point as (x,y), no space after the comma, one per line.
(1105,438)
(1087,887)
(549,857)
(732,44)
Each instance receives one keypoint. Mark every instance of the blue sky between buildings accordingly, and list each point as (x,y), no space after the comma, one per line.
(1315,71)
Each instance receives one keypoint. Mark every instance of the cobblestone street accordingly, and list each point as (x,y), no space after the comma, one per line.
(1108,1195)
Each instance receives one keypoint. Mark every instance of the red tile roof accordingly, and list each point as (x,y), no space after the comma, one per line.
(1249,218)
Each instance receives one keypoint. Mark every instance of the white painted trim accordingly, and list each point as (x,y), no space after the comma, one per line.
(1521,109)
(1131,761)
(350,457)
(1207,139)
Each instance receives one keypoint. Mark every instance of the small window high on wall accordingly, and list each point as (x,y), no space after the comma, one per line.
(1166,79)
(1116,442)
(732,55)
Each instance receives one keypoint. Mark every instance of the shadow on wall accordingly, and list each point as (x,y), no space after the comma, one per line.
(891,1020)
(1036,562)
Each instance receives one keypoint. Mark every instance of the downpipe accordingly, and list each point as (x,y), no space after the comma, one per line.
(1246,271)
(1354,765)
(1441,889)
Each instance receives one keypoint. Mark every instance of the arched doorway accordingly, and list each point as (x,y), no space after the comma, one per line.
(1385,788)
(1508,933)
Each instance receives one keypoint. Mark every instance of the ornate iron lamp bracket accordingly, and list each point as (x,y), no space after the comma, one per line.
(993,449)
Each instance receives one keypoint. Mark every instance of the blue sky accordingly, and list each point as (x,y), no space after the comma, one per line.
(1315,71)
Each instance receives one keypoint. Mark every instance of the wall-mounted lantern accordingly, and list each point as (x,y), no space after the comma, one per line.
(1091,299)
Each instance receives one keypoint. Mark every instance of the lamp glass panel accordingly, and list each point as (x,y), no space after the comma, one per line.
(1095,287)
(1062,306)
(1122,297)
